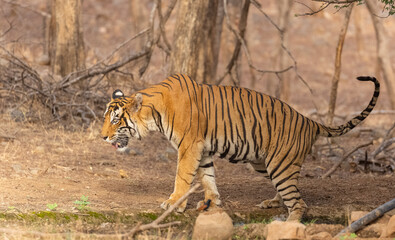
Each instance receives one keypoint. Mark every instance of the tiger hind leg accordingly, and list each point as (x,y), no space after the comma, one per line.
(207,176)
(286,186)
(269,203)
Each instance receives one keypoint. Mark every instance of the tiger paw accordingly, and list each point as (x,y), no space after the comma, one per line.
(213,203)
(170,202)
(273,203)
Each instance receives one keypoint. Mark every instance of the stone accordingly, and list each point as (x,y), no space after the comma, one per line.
(278,230)
(389,230)
(213,224)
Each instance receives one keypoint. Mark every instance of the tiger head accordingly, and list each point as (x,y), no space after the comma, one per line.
(121,119)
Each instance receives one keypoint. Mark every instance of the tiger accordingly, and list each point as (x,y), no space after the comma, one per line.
(231,122)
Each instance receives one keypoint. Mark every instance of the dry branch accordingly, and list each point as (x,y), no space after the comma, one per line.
(312,12)
(344,158)
(91,72)
(337,1)
(42,13)
(385,144)
(240,38)
(155,224)
(241,42)
(295,64)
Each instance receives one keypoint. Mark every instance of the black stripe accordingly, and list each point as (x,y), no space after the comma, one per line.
(210,164)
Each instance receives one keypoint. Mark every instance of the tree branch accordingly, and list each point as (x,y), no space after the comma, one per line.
(155,224)
(337,1)
(295,65)
(312,12)
(344,158)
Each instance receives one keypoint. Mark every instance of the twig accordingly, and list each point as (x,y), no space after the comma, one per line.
(322,7)
(386,143)
(390,131)
(93,72)
(295,65)
(344,158)
(368,218)
(240,37)
(162,27)
(241,42)
(155,224)
(8,29)
(337,1)
(42,13)
(123,44)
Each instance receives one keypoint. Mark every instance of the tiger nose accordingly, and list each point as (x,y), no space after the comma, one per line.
(105,138)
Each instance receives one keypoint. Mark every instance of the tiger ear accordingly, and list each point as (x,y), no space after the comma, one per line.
(117,94)
(137,101)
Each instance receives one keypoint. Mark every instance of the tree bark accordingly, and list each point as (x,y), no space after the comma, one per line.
(67,46)
(284,7)
(211,53)
(192,45)
(383,48)
(336,75)
(137,12)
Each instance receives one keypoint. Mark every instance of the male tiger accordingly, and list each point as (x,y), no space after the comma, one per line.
(236,123)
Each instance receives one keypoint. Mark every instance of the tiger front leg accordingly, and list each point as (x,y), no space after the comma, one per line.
(187,165)
(206,175)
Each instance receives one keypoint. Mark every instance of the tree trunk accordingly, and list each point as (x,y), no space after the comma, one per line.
(383,48)
(137,12)
(284,7)
(211,53)
(338,60)
(67,46)
(192,45)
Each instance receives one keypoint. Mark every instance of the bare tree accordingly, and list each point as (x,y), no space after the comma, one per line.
(191,35)
(383,48)
(336,75)
(209,52)
(137,13)
(284,8)
(67,45)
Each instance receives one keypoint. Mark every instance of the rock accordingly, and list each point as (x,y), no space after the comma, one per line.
(250,231)
(372,231)
(320,236)
(17,168)
(214,224)
(43,60)
(17,115)
(389,230)
(285,230)
(123,173)
(355,215)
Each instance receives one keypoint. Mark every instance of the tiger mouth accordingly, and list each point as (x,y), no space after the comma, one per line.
(120,143)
